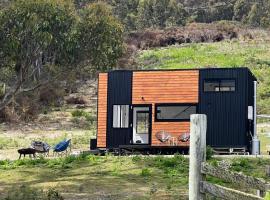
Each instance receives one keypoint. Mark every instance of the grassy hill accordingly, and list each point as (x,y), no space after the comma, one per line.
(254,54)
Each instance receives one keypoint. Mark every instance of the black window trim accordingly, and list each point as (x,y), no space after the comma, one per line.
(129,108)
(173,104)
(219,81)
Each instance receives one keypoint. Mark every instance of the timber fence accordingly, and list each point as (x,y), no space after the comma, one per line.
(199,168)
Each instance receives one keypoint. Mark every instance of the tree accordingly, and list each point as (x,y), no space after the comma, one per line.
(177,14)
(126,11)
(254,16)
(145,14)
(160,12)
(44,39)
(241,9)
(100,38)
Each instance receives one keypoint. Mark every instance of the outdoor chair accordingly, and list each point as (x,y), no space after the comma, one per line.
(62,147)
(184,137)
(41,147)
(163,136)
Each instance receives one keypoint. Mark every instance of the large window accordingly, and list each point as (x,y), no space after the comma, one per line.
(219,85)
(171,112)
(120,116)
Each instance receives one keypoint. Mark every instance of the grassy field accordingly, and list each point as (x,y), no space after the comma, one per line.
(220,54)
(111,177)
(264,136)
(235,53)
(94,177)
(75,124)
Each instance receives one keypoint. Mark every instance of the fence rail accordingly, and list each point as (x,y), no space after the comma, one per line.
(235,177)
(226,193)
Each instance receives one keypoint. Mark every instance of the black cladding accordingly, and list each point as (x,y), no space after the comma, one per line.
(227,121)
(119,93)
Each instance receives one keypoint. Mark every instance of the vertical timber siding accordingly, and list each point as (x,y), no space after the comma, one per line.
(102,109)
(150,87)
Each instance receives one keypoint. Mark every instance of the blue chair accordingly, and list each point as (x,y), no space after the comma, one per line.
(62,147)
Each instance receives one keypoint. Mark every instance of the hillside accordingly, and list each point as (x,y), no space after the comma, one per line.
(253,54)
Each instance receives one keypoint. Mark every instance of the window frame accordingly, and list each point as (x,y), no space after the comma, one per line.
(173,104)
(219,80)
(112,118)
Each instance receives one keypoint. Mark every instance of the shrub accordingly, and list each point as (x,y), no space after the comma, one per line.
(136,158)
(90,118)
(241,164)
(76,100)
(77,113)
(93,159)
(209,153)
(52,95)
(145,172)
(8,114)
(83,119)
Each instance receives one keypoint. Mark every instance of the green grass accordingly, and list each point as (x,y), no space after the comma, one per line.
(252,54)
(223,54)
(80,138)
(94,176)
(264,136)
(112,177)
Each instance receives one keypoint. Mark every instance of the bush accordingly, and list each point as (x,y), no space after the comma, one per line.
(242,164)
(52,95)
(83,119)
(90,118)
(209,153)
(8,114)
(53,194)
(76,100)
(77,113)
(24,107)
(27,193)
(136,158)
(145,172)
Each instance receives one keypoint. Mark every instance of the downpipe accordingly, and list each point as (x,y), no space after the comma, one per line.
(255,140)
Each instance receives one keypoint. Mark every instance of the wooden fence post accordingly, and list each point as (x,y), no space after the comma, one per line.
(197,154)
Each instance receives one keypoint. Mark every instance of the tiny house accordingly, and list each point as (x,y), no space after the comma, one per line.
(150,109)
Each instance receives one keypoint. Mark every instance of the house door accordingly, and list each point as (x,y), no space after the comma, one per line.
(141,125)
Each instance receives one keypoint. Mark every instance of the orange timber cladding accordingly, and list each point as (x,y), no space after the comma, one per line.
(151,87)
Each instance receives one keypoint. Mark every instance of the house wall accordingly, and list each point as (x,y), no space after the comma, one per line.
(119,93)
(151,87)
(102,110)
(227,124)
